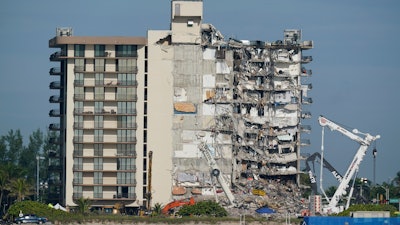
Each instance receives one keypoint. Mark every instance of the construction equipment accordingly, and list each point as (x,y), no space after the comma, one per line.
(215,171)
(324,163)
(177,203)
(312,158)
(365,142)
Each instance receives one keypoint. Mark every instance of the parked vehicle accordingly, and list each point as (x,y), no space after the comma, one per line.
(30,218)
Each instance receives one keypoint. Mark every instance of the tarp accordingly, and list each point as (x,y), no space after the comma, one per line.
(60,207)
(265,210)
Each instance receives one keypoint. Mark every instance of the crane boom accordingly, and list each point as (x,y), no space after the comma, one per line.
(354,165)
(215,170)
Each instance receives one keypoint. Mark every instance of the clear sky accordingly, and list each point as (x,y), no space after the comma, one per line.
(355,68)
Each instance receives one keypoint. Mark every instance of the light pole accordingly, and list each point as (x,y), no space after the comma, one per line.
(38,158)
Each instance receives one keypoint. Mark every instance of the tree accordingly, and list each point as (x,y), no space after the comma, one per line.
(83,205)
(157,209)
(20,188)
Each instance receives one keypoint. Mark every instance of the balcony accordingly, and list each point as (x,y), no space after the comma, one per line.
(305,72)
(54,126)
(305,142)
(55,168)
(55,99)
(55,71)
(306,59)
(55,141)
(305,128)
(306,101)
(54,113)
(55,85)
(127,69)
(306,115)
(125,195)
(57,56)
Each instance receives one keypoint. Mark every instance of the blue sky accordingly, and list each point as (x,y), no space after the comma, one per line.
(355,68)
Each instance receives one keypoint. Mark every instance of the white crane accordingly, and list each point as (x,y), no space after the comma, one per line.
(354,165)
(215,171)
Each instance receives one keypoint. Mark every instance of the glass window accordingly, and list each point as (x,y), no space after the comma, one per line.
(79,65)
(79,50)
(98,192)
(98,122)
(99,93)
(98,107)
(98,163)
(98,135)
(99,50)
(79,79)
(99,65)
(127,65)
(126,50)
(98,149)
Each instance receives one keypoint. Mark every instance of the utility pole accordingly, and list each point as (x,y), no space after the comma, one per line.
(374,153)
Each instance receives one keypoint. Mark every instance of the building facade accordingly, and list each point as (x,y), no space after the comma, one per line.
(134,110)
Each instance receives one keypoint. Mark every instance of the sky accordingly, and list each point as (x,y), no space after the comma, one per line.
(355,69)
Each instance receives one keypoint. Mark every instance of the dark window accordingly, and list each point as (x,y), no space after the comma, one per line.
(79,50)
(145,150)
(126,50)
(99,50)
(145,122)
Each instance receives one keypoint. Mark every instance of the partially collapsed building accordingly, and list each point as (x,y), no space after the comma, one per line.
(134,111)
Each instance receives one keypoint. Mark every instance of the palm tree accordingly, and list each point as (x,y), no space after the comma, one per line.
(83,205)
(157,209)
(20,188)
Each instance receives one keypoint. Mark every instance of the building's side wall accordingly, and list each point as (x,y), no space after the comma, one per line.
(160,111)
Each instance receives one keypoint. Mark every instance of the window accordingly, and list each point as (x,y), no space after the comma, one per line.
(79,65)
(126,135)
(98,107)
(126,93)
(126,65)
(99,50)
(98,135)
(79,79)
(126,149)
(97,192)
(99,65)
(126,50)
(98,122)
(79,50)
(98,163)
(78,149)
(78,123)
(98,178)
(98,149)
(99,93)
(127,107)
(79,93)
(125,79)
(78,165)
(78,107)
(126,121)
(78,134)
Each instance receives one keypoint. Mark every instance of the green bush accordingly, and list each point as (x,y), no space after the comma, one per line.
(204,208)
(369,207)
(32,207)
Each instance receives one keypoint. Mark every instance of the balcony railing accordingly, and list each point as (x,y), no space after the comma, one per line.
(306,59)
(54,126)
(56,55)
(127,69)
(307,100)
(55,99)
(54,113)
(306,72)
(305,128)
(305,115)
(55,71)
(55,85)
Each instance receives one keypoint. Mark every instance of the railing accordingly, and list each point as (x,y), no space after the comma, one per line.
(55,71)
(55,85)
(54,113)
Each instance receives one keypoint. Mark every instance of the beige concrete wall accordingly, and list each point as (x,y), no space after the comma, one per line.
(160,113)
